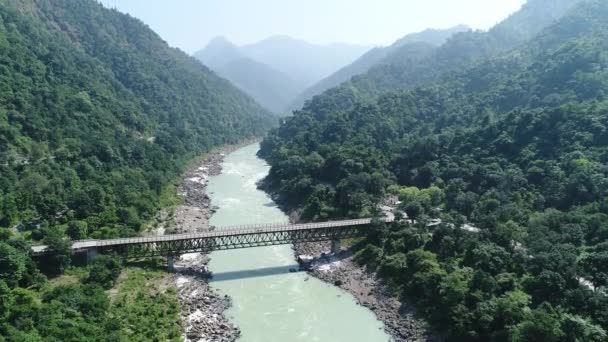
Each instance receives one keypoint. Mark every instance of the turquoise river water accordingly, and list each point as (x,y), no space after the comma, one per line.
(269,303)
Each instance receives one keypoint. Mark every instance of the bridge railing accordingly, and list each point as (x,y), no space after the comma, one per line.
(221,232)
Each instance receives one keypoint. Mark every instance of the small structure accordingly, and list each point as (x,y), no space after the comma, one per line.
(305,260)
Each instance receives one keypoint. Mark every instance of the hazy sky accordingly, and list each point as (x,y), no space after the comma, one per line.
(190,24)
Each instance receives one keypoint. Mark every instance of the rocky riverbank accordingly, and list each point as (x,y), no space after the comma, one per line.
(399,319)
(202,308)
(194,214)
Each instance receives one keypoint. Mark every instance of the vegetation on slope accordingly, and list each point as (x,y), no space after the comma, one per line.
(98,114)
(378,56)
(515,145)
(96,303)
(408,67)
(97,117)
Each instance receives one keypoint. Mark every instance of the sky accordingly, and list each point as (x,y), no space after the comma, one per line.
(191,24)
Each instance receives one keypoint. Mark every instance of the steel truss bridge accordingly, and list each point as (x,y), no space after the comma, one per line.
(223,239)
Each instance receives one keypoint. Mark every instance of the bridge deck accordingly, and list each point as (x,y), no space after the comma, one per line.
(216,233)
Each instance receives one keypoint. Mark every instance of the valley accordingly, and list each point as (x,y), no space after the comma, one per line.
(447,185)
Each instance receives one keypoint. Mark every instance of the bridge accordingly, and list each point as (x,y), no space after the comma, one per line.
(223,239)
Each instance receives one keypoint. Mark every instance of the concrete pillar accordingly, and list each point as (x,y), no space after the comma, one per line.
(91,254)
(336,246)
(170,263)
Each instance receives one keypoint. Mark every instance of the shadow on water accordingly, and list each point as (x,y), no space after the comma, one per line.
(255,273)
(278,270)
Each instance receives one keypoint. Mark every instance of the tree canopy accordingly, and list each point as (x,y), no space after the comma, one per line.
(98,115)
(514,144)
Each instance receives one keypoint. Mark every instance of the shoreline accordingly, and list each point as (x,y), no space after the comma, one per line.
(202,308)
(400,320)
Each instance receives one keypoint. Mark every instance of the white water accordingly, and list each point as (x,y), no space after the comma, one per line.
(269,303)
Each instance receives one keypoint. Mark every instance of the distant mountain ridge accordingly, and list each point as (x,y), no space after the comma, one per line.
(302,60)
(268,86)
(461,50)
(432,37)
(275,70)
(219,52)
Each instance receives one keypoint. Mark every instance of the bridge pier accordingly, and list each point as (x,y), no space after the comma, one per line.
(91,254)
(171,263)
(336,246)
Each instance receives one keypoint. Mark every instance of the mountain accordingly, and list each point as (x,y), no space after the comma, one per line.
(435,37)
(313,61)
(218,53)
(461,50)
(270,87)
(98,119)
(379,55)
(514,144)
(268,71)
(98,115)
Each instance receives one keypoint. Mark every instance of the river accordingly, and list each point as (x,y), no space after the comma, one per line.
(269,302)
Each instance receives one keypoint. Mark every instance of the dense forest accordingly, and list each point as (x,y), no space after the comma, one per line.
(514,143)
(98,116)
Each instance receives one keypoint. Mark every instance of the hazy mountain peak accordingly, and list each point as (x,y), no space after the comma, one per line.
(269,70)
(220,41)
(219,52)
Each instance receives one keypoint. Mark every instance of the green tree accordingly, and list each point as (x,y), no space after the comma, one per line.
(60,246)
(541,325)
(595,268)
(12,264)
(77,230)
(104,271)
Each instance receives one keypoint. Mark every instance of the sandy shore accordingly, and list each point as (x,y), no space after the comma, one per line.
(399,319)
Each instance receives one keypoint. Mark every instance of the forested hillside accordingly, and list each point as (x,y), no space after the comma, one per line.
(98,114)
(408,67)
(515,145)
(97,117)
(376,56)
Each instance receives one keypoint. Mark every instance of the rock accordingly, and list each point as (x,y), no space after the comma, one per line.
(398,318)
(196,296)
